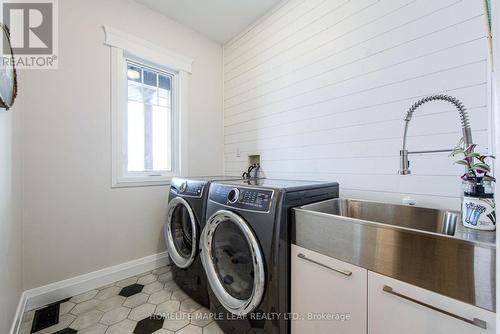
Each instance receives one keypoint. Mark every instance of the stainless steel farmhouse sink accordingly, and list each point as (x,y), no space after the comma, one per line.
(428,248)
(424,219)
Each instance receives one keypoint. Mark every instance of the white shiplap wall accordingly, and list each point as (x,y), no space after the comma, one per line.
(319,89)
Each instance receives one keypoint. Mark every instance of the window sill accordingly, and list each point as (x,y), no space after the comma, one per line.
(140,183)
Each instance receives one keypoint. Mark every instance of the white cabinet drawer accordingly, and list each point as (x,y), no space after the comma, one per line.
(321,285)
(395,307)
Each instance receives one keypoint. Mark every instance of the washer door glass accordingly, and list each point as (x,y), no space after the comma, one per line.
(233,261)
(232,257)
(180,233)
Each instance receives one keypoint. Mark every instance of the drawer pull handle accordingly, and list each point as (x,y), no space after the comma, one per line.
(475,322)
(343,272)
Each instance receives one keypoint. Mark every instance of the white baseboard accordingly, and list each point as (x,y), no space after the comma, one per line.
(57,291)
(14,329)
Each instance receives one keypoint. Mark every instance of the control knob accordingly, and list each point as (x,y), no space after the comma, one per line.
(233,195)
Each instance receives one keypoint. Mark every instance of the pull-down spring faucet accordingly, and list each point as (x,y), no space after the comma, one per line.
(464,117)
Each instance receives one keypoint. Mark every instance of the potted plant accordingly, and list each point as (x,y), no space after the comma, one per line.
(478,203)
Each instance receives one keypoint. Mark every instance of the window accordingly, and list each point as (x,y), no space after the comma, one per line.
(148,87)
(149,137)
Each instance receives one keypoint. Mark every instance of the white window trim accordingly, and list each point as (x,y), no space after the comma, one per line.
(125,46)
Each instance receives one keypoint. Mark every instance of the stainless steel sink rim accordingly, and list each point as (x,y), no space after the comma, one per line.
(455,237)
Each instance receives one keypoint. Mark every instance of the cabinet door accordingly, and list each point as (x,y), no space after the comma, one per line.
(327,288)
(395,307)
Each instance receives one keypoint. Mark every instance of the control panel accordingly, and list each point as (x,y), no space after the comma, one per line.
(189,188)
(242,198)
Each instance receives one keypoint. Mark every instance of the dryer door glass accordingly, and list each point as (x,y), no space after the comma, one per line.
(232,258)
(180,233)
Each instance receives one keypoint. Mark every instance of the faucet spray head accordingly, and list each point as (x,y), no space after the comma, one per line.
(404,166)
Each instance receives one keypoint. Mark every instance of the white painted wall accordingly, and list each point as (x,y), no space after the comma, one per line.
(10,221)
(320,87)
(74,223)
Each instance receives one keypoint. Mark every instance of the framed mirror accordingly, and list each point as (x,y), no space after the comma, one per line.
(8,76)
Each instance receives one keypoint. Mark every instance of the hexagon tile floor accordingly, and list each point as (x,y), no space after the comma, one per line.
(126,307)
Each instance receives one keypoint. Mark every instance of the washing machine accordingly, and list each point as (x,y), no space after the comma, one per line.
(245,250)
(185,220)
